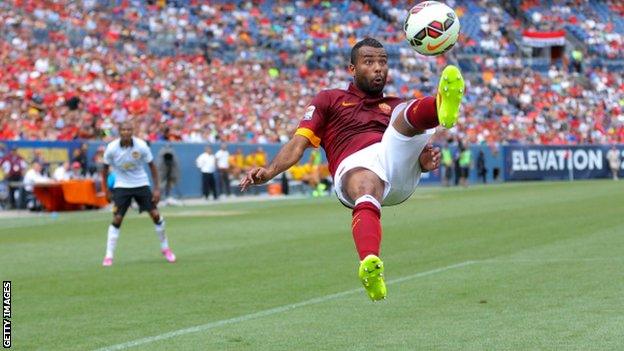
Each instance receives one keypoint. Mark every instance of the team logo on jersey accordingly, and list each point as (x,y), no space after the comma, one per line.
(309,112)
(385,108)
(136,155)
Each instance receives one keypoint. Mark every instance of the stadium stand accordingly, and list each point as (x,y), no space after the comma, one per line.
(592,22)
(71,72)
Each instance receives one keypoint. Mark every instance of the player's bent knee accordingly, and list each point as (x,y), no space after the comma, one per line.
(361,181)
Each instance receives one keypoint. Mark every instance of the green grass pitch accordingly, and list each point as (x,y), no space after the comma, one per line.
(523,266)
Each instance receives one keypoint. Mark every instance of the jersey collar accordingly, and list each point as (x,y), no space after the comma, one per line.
(131,143)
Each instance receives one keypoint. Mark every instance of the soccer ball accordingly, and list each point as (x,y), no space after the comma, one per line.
(431,28)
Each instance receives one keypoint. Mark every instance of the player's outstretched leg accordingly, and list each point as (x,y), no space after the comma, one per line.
(371,274)
(449,97)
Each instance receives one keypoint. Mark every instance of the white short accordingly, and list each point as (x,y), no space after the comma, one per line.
(395,160)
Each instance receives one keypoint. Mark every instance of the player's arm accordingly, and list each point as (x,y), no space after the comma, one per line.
(105,188)
(288,155)
(309,133)
(108,160)
(156,190)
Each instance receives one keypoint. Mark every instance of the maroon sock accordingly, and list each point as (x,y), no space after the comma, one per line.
(366,228)
(422,113)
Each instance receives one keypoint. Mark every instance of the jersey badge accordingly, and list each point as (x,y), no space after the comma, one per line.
(309,112)
(385,108)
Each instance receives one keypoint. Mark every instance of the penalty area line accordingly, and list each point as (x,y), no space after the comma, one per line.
(271,311)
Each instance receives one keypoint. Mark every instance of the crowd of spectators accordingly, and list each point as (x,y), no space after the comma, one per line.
(56,90)
(592,22)
(237,72)
(21,171)
(544,109)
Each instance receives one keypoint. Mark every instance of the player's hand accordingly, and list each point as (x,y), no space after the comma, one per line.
(156,196)
(255,176)
(109,195)
(430,158)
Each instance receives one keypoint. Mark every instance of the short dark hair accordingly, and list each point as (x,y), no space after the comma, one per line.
(364,42)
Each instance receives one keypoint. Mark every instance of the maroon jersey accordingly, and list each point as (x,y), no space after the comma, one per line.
(346,121)
(13,165)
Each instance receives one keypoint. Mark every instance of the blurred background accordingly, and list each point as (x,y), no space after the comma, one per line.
(545,89)
(533,262)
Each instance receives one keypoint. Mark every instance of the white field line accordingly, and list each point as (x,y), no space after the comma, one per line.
(552,260)
(272,311)
(321,299)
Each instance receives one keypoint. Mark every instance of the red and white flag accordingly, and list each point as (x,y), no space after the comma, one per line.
(543,39)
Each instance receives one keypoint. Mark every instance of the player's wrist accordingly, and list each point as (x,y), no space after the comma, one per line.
(271,172)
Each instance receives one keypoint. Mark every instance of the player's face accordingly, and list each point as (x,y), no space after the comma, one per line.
(370,70)
(125,132)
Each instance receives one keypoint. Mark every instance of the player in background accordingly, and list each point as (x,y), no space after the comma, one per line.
(127,156)
(376,146)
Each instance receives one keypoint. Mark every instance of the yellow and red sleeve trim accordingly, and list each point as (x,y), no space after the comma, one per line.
(309,134)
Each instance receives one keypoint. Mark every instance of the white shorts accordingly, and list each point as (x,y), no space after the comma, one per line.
(395,160)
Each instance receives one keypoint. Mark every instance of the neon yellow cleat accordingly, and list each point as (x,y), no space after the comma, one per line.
(449,97)
(371,274)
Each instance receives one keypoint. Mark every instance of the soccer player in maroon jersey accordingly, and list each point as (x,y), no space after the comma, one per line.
(377,147)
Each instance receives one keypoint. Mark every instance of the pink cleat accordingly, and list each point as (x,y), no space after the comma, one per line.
(108,261)
(169,255)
